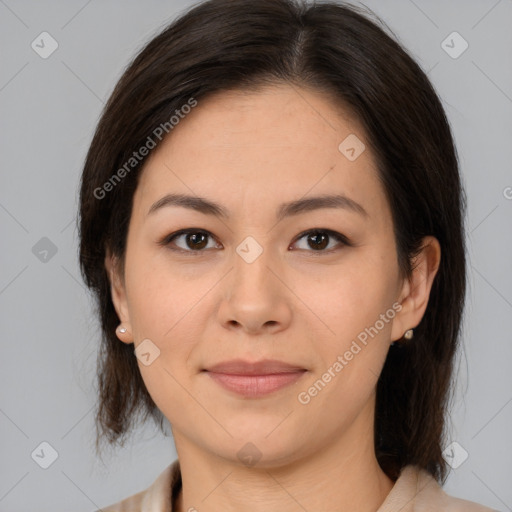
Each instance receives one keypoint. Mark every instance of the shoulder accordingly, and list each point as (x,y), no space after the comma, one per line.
(131,504)
(444,502)
(416,490)
(158,496)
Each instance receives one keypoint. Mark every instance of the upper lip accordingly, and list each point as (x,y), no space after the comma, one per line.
(264,367)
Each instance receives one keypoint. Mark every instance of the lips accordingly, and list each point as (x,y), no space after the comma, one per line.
(265,367)
(254,379)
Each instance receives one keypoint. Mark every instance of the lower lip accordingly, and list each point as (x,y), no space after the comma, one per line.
(254,386)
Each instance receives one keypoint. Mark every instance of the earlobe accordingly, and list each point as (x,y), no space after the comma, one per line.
(124,334)
(118,296)
(416,290)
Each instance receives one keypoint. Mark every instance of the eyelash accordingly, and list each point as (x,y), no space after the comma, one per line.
(332,234)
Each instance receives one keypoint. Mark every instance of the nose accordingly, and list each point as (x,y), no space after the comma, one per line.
(255,298)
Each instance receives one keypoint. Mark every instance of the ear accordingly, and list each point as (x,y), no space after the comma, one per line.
(118,294)
(416,290)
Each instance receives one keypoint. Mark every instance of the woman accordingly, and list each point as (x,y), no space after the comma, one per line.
(271,218)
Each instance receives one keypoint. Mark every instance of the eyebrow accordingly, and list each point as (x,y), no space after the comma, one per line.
(297,207)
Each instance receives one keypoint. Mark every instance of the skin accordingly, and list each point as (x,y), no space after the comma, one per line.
(250,152)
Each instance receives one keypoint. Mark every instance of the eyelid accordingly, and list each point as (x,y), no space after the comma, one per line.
(341,238)
(166,241)
(331,233)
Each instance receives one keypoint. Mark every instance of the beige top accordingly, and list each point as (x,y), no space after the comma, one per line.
(414,491)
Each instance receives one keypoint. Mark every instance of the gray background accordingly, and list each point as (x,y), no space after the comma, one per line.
(49,108)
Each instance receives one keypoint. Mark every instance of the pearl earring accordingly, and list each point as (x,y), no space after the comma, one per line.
(409,334)
(122,330)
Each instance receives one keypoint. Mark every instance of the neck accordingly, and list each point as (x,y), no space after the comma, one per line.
(343,475)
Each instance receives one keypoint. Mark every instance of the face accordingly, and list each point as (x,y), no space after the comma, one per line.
(317,287)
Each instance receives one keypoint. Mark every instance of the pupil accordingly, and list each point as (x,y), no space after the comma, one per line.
(194,240)
(319,235)
(198,240)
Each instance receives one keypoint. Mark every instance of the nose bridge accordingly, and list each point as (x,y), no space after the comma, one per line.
(254,298)
(251,263)
(253,288)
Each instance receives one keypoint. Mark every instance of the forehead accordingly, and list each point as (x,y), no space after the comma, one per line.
(253,148)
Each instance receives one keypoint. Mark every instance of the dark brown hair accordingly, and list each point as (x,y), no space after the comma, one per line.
(338,50)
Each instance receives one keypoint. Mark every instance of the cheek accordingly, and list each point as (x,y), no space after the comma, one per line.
(359,308)
(160,296)
(360,313)
(356,296)
(166,307)
(162,309)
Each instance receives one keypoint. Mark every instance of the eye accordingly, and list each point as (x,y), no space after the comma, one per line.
(319,239)
(195,240)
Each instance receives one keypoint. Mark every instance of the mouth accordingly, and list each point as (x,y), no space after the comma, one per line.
(254,386)
(253,380)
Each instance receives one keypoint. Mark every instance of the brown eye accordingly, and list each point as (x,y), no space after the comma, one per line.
(192,240)
(196,240)
(319,239)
